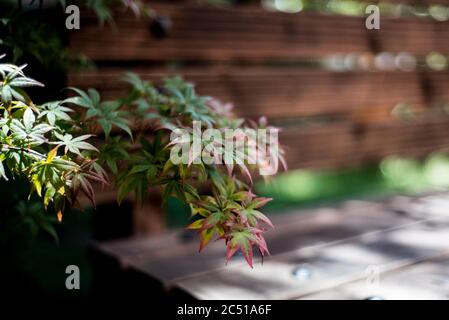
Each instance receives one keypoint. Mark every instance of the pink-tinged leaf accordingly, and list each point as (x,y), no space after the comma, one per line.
(247,250)
(221,232)
(255,231)
(262,244)
(246,172)
(206,235)
(243,240)
(243,216)
(220,108)
(86,187)
(200,211)
(178,140)
(260,202)
(243,195)
(212,220)
(230,251)
(190,161)
(198,224)
(260,216)
(230,168)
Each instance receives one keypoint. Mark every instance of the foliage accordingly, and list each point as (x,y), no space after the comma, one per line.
(35,143)
(58,157)
(25,34)
(231,210)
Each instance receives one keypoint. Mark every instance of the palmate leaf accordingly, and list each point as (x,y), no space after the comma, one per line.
(32,135)
(82,179)
(138,84)
(81,182)
(205,237)
(170,189)
(28,118)
(113,152)
(121,122)
(259,202)
(95,171)
(2,169)
(90,99)
(136,183)
(242,240)
(213,219)
(4,123)
(74,145)
(149,168)
(33,215)
(48,177)
(22,82)
(252,216)
(208,226)
(106,114)
(13,82)
(198,224)
(55,111)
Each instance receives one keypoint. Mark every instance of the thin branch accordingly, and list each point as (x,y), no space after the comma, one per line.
(5,147)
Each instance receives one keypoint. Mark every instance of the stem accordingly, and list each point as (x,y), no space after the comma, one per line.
(5,147)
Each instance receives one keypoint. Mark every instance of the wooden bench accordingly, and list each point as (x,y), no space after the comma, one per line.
(315,253)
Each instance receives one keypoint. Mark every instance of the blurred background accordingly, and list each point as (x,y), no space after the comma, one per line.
(364,113)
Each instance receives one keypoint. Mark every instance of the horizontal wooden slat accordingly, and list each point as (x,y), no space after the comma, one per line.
(207,33)
(280,93)
(330,266)
(337,245)
(158,258)
(412,35)
(339,145)
(211,33)
(425,281)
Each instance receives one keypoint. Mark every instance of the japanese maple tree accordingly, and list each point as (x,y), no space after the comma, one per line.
(55,149)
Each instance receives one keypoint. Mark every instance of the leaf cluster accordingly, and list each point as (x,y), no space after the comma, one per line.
(41,143)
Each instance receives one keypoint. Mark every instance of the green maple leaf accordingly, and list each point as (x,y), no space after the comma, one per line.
(54,111)
(74,145)
(241,240)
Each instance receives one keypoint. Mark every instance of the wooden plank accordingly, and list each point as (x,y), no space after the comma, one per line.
(207,33)
(436,88)
(424,281)
(329,266)
(280,92)
(431,212)
(171,258)
(212,33)
(412,35)
(337,145)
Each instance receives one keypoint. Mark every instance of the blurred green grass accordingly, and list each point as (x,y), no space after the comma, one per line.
(305,188)
(312,188)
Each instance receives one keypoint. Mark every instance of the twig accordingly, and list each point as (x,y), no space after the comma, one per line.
(5,147)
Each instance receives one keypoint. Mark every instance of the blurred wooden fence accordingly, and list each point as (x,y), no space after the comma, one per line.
(270,63)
